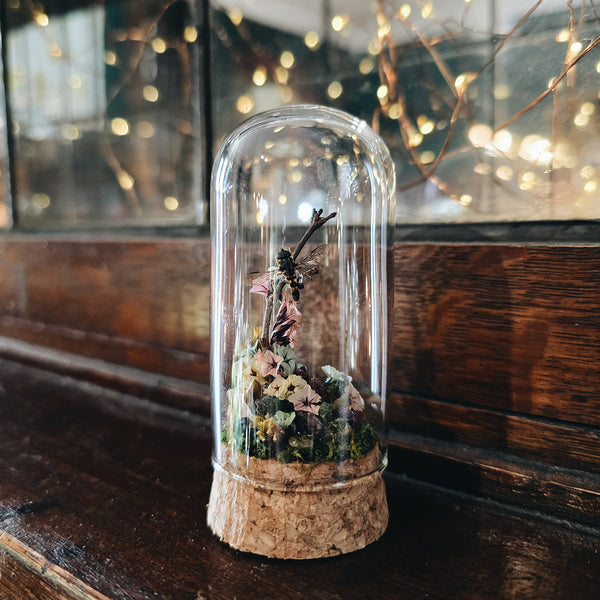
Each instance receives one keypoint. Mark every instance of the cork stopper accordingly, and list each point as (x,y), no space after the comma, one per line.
(304,511)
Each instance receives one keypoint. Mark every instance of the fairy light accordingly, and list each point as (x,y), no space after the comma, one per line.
(244,104)
(427,157)
(502,91)
(587,108)
(587,172)
(119,126)
(482,168)
(382,92)
(479,134)
(144,129)
(235,16)
(150,93)
(461,82)
(503,140)
(598,67)
(373,47)
(287,59)
(312,40)
(159,45)
(295,177)
(282,199)
(334,90)
(395,111)
(465,199)
(41,18)
(427,10)
(125,180)
(425,125)
(70,132)
(404,12)
(581,120)
(338,22)
(171,203)
(259,77)
(590,186)
(190,34)
(281,75)
(415,139)
(366,65)
(575,47)
(269,145)
(110,58)
(504,172)
(41,200)
(563,36)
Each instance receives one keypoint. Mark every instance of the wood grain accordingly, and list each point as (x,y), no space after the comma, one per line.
(131,302)
(494,348)
(513,328)
(118,503)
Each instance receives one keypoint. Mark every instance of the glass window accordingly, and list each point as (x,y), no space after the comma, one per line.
(105,112)
(489,108)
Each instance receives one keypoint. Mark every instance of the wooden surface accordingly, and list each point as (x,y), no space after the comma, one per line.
(103,496)
(493,357)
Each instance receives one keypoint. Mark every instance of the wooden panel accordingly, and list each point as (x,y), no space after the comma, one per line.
(514,328)
(132,302)
(554,442)
(118,503)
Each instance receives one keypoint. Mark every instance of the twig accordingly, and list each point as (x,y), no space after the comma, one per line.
(316,222)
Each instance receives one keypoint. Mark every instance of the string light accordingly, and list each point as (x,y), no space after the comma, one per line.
(334,90)
(311,39)
(119,126)
(171,203)
(259,77)
(150,93)
(244,104)
(287,59)
(190,34)
(159,45)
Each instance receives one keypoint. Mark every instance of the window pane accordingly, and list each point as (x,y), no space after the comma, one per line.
(104,99)
(490,108)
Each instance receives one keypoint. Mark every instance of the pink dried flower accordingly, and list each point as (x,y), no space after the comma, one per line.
(288,322)
(268,362)
(260,285)
(305,398)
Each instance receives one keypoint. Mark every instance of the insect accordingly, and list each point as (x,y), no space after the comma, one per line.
(294,272)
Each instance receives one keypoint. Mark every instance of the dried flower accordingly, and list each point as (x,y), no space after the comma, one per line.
(350,398)
(334,374)
(305,398)
(269,362)
(266,428)
(278,387)
(289,364)
(260,285)
(287,326)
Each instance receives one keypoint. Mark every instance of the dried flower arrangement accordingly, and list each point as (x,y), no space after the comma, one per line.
(302,453)
(277,409)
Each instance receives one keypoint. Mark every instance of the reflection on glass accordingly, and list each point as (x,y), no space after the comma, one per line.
(490,109)
(5,203)
(105,112)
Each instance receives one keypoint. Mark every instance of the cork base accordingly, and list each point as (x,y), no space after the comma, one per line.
(299,520)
